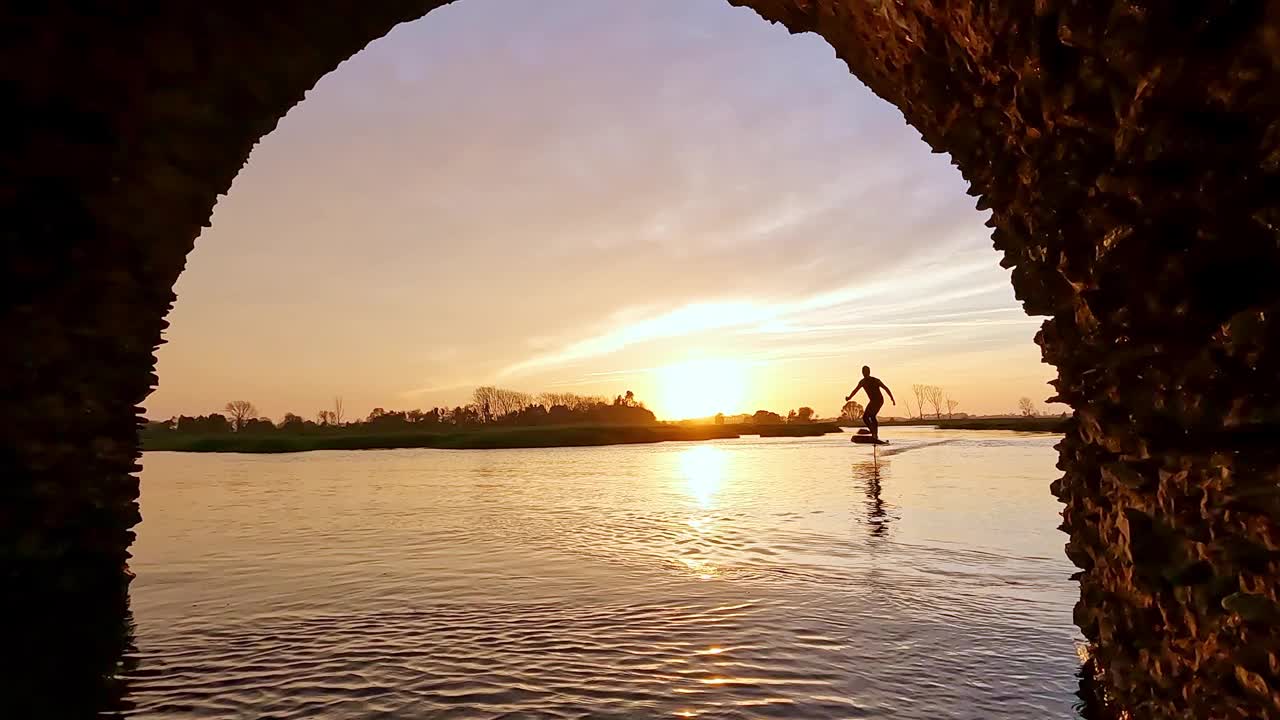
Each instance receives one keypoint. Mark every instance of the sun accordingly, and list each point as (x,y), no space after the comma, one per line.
(700,388)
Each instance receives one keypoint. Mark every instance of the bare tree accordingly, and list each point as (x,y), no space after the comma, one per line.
(499,402)
(337,410)
(484,398)
(550,400)
(510,401)
(907,402)
(1027,407)
(504,401)
(921,392)
(951,407)
(325,417)
(937,398)
(569,400)
(240,411)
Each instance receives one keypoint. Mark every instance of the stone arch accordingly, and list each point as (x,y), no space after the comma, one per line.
(1129,153)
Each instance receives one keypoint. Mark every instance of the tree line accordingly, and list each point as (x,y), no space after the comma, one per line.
(490,406)
(931,396)
(935,397)
(805,414)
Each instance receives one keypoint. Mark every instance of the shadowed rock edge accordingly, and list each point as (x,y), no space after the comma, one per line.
(1129,153)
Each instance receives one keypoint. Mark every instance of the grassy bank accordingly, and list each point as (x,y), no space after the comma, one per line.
(1022,424)
(470,439)
(792,430)
(535,436)
(486,438)
(1018,424)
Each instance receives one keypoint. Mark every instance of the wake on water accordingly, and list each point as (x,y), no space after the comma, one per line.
(899,449)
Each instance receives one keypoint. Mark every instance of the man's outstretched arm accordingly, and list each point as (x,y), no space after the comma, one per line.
(853,392)
(886,389)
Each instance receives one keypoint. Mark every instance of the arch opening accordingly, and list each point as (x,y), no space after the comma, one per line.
(1104,141)
(739,210)
(709,287)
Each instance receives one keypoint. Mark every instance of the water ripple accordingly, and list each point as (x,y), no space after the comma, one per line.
(743,579)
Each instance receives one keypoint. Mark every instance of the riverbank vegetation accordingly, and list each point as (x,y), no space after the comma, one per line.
(453,438)
(496,418)
(1055,424)
(1040,423)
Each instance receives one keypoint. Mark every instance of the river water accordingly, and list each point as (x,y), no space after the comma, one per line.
(777,578)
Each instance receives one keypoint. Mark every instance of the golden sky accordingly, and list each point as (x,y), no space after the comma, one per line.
(667,196)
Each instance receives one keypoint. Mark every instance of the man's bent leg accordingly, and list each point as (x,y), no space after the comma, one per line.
(870,419)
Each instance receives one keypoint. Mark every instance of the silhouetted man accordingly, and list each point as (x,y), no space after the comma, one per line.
(874,400)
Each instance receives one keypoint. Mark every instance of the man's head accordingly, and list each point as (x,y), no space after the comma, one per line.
(866,371)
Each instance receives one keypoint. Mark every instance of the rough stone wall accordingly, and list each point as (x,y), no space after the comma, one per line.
(1129,153)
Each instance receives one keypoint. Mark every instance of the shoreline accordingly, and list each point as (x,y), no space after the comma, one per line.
(500,438)
(530,437)
(1054,424)
(1016,424)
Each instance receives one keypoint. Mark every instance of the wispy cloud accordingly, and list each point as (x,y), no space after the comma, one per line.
(911,300)
(451,387)
(683,322)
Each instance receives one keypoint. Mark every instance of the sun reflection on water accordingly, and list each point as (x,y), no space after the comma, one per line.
(703,471)
(702,569)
